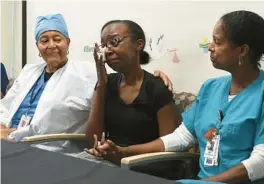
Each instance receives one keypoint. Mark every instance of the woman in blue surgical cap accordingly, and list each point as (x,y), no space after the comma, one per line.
(52,40)
(53,96)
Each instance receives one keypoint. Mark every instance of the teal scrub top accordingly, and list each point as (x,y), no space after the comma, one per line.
(241,128)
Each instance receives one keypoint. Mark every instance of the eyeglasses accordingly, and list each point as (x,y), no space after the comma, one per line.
(112,43)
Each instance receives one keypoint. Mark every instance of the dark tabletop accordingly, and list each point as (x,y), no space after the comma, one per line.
(23,164)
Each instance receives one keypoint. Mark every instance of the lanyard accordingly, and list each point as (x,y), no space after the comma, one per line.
(224,106)
(221,117)
(32,96)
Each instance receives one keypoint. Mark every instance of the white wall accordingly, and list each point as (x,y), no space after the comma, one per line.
(184,25)
(11,36)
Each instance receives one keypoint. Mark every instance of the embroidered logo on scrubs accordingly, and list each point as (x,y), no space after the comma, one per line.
(230,129)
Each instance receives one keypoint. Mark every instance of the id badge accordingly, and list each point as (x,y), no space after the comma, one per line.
(24,121)
(211,151)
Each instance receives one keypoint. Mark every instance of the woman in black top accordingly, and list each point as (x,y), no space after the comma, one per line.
(131,106)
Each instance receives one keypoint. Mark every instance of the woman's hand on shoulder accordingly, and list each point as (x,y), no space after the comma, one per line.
(165,78)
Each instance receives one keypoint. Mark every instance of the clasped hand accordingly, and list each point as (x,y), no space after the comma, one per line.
(106,149)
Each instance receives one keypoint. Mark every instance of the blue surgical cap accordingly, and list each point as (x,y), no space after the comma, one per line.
(51,23)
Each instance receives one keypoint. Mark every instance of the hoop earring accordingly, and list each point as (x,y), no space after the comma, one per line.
(39,55)
(68,52)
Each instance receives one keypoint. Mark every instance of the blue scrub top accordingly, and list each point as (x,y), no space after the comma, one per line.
(33,95)
(4,79)
(241,128)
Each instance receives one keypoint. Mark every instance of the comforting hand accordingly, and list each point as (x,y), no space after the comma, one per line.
(165,79)
(100,66)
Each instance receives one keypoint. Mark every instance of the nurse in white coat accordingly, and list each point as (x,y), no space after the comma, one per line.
(51,97)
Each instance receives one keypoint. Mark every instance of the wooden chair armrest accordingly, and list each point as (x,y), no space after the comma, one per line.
(54,137)
(137,160)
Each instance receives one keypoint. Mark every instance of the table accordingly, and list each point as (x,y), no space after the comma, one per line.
(23,164)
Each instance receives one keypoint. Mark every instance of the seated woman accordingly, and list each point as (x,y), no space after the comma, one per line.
(227,119)
(44,99)
(53,96)
(4,80)
(132,107)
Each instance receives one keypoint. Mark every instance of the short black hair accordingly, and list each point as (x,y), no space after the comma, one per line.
(137,32)
(245,27)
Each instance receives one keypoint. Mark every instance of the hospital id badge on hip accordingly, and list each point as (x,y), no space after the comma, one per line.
(24,121)
(212,150)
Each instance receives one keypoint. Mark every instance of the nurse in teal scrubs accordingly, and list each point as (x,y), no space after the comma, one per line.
(227,119)
(232,106)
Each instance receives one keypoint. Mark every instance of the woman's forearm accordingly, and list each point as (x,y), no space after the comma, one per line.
(178,140)
(154,146)
(96,117)
(233,175)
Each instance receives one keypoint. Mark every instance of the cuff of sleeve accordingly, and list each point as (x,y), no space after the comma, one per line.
(255,163)
(179,140)
(250,172)
(167,141)
(19,134)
